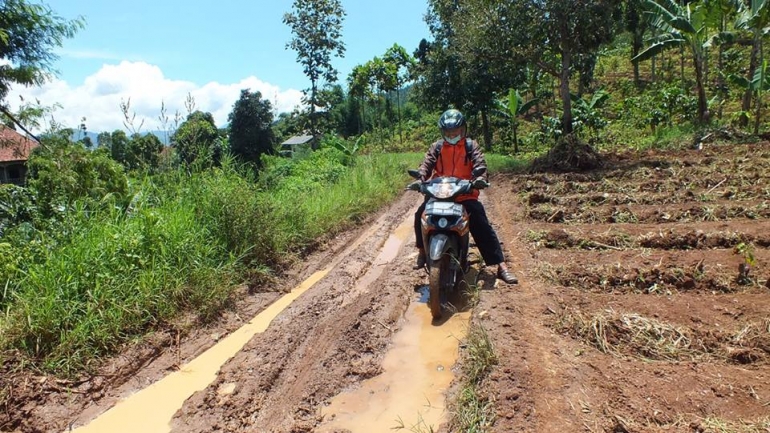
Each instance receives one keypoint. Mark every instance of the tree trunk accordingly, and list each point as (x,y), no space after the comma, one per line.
(753,63)
(721,85)
(759,113)
(759,90)
(398,107)
(636,47)
(362,120)
(681,68)
(487,131)
(703,112)
(564,89)
(515,137)
(313,130)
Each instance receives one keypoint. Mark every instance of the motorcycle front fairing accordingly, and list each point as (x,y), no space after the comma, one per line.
(444,226)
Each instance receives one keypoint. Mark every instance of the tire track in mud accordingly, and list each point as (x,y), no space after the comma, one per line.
(332,337)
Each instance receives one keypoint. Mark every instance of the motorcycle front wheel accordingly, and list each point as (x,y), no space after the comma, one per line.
(441,278)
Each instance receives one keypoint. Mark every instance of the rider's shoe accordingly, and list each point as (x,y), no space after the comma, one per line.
(507,276)
(420,263)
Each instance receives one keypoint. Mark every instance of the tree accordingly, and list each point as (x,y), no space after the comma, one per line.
(61,173)
(317,29)
(251,133)
(477,53)
(360,83)
(197,140)
(404,66)
(28,34)
(143,152)
(682,25)
(756,19)
(116,143)
(637,23)
(495,38)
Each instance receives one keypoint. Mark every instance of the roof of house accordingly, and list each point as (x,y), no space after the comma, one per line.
(14,146)
(299,139)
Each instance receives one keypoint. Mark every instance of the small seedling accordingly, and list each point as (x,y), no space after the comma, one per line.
(747,252)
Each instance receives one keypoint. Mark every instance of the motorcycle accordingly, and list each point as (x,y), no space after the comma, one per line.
(445,233)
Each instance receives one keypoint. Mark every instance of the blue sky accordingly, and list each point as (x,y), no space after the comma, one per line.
(160,51)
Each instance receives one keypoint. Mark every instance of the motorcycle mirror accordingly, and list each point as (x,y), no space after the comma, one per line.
(478,171)
(414,173)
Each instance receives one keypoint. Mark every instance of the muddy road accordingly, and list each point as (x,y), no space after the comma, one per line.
(643,306)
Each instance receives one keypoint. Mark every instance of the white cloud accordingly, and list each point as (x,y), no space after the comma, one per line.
(98,98)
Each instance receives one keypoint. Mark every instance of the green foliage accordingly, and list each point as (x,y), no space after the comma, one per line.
(61,173)
(230,205)
(116,143)
(17,205)
(251,133)
(348,148)
(664,105)
(116,276)
(29,33)
(682,26)
(143,152)
(316,26)
(588,113)
(746,251)
(513,107)
(288,125)
(197,141)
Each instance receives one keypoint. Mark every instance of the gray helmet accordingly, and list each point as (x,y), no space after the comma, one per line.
(451,119)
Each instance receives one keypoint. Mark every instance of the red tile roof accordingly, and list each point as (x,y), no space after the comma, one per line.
(14,146)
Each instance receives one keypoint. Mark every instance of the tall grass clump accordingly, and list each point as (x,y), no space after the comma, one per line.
(118,277)
(472,412)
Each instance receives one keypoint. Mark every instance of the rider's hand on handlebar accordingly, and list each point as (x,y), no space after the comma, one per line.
(480,183)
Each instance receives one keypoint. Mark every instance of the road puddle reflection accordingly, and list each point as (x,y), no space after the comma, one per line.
(417,371)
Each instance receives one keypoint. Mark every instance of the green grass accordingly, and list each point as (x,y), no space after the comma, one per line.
(181,247)
(471,411)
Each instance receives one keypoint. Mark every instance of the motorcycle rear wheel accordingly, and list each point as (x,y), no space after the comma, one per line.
(441,278)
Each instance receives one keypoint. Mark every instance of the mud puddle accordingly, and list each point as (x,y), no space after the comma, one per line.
(417,372)
(151,409)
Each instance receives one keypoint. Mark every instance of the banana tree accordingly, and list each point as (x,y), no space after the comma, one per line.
(681,26)
(759,83)
(756,19)
(513,107)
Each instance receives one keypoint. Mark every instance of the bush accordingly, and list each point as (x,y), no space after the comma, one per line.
(61,173)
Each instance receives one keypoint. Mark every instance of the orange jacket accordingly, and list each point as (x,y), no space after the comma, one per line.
(444,159)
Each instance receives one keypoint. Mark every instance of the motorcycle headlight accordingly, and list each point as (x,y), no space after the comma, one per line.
(443,223)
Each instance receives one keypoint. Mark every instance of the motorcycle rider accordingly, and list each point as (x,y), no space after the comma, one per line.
(457,155)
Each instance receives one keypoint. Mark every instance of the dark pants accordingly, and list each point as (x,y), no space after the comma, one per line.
(483,233)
